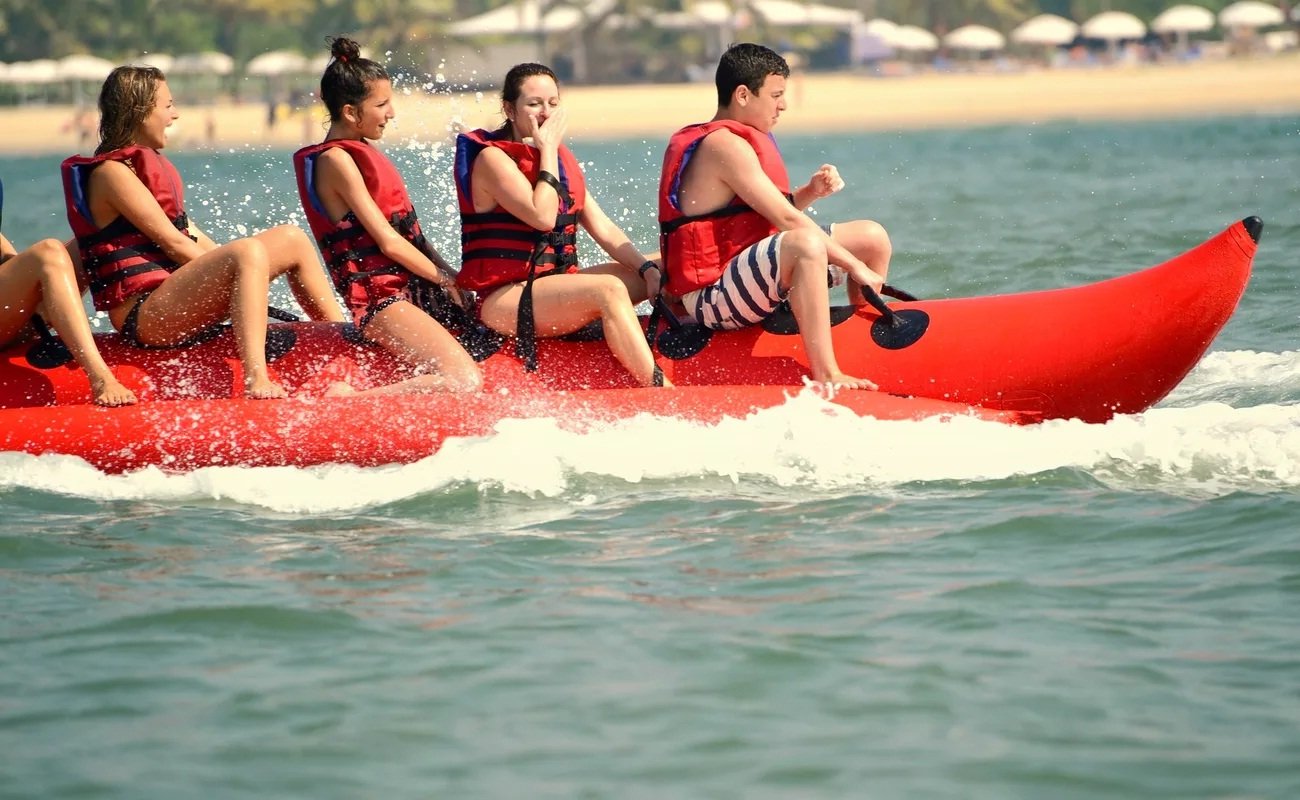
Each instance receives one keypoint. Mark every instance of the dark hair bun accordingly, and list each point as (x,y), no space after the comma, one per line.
(345,49)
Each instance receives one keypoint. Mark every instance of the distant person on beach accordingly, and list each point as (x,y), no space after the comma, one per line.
(361,214)
(82,124)
(522,196)
(43,280)
(736,242)
(161,281)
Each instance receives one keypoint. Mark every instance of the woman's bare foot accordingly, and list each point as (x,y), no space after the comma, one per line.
(109,392)
(264,389)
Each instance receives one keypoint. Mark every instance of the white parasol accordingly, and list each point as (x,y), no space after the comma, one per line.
(82,67)
(975,37)
(1250,14)
(277,62)
(1113,26)
(1048,29)
(1183,19)
(913,38)
(209,63)
(162,61)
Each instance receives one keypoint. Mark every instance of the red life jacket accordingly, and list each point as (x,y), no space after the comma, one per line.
(496,247)
(696,249)
(361,272)
(122,261)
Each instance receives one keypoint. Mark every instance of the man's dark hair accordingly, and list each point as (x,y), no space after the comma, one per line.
(747,64)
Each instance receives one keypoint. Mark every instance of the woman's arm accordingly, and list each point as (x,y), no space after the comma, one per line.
(7,250)
(337,175)
(498,181)
(609,236)
(116,191)
(202,238)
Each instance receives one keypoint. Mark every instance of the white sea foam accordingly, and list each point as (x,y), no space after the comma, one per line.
(1188,446)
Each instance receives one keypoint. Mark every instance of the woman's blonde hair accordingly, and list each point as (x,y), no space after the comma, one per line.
(125,101)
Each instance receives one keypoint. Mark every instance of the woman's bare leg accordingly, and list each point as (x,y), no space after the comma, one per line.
(43,275)
(564,303)
(635,284)
(228,282)
(418,340)
(293,254)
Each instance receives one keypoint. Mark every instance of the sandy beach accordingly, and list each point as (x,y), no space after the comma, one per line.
(819,101)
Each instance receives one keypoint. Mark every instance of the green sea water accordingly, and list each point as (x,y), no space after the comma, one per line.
(796,605)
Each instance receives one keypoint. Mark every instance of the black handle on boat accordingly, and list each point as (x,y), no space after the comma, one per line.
(678,341)
(895,329)
(898,294)
(878,303)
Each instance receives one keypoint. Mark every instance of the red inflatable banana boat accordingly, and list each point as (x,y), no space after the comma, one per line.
(1088,352)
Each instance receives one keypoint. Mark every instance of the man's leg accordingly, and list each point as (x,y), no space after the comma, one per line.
(869,242)
(802,265)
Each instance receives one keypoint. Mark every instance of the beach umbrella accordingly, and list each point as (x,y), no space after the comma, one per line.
(1183,19)
(526,17)
(1250,14)
(913,38)
(82,67)
(1113,26)
(205,63)
(869,41)
(277,62)
(702,14)
(789,14)
(974,37)
(161,61)
(880,27)
(199,75)
(40,71)
(1048,29)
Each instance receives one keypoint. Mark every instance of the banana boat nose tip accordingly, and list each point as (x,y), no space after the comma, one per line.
(1254,226)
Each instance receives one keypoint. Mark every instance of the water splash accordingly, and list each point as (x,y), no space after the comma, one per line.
(1208,448)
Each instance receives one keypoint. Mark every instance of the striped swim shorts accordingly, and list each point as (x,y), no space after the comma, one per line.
(748,291)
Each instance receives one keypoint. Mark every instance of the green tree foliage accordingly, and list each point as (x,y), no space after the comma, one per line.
(401,30)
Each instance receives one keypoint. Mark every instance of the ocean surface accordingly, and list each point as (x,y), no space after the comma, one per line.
(789,606)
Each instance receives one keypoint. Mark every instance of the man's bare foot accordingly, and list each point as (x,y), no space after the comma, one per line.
(111,393)
(340,389)
(838,380)
(264,389)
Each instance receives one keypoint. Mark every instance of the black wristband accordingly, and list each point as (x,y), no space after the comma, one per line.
(546,177)
(648,265)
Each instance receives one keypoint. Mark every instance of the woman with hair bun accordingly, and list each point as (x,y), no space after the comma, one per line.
(522,197)
(160,279)
(363,219)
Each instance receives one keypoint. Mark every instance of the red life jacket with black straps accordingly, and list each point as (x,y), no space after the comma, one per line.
(496,247)
(360,271)
(122,261)
(696,249)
